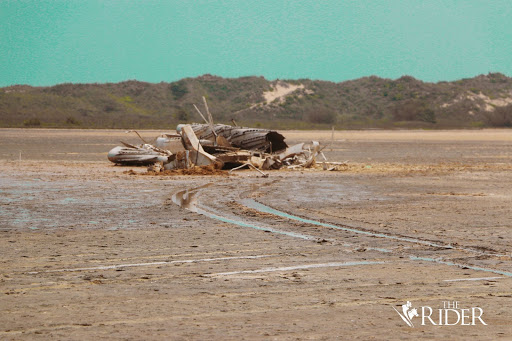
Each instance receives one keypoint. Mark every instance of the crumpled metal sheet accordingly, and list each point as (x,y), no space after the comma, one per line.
(269,141)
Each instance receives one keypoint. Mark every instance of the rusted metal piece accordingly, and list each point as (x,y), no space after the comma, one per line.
(234,158)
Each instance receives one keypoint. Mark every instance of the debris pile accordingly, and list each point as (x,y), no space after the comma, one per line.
(217,146)
(205,170)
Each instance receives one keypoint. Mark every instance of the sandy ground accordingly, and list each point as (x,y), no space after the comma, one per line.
(90,251)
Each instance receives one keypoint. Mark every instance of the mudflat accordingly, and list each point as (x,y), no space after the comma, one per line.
(96,251)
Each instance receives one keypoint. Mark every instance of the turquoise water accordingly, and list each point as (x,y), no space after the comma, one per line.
(47,42)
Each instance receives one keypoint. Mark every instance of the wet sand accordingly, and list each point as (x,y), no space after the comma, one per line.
(93,252)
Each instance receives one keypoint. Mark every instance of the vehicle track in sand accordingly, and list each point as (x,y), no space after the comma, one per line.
(422,250)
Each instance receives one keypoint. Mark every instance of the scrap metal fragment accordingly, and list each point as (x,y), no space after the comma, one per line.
(138,155)
(265,175)
(170,142)
(244,138)
(199,156)
(292,151)
(312,158)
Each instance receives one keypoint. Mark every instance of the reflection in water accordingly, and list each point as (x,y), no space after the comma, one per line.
(187,198)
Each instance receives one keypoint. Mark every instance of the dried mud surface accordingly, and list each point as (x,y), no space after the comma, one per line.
(95,251)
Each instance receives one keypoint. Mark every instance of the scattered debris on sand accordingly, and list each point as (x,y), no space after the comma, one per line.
(196,170)
(203,148)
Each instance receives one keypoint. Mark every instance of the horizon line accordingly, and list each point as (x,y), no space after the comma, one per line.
(250,76)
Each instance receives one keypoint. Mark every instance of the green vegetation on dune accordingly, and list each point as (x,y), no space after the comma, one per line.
(369,102)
